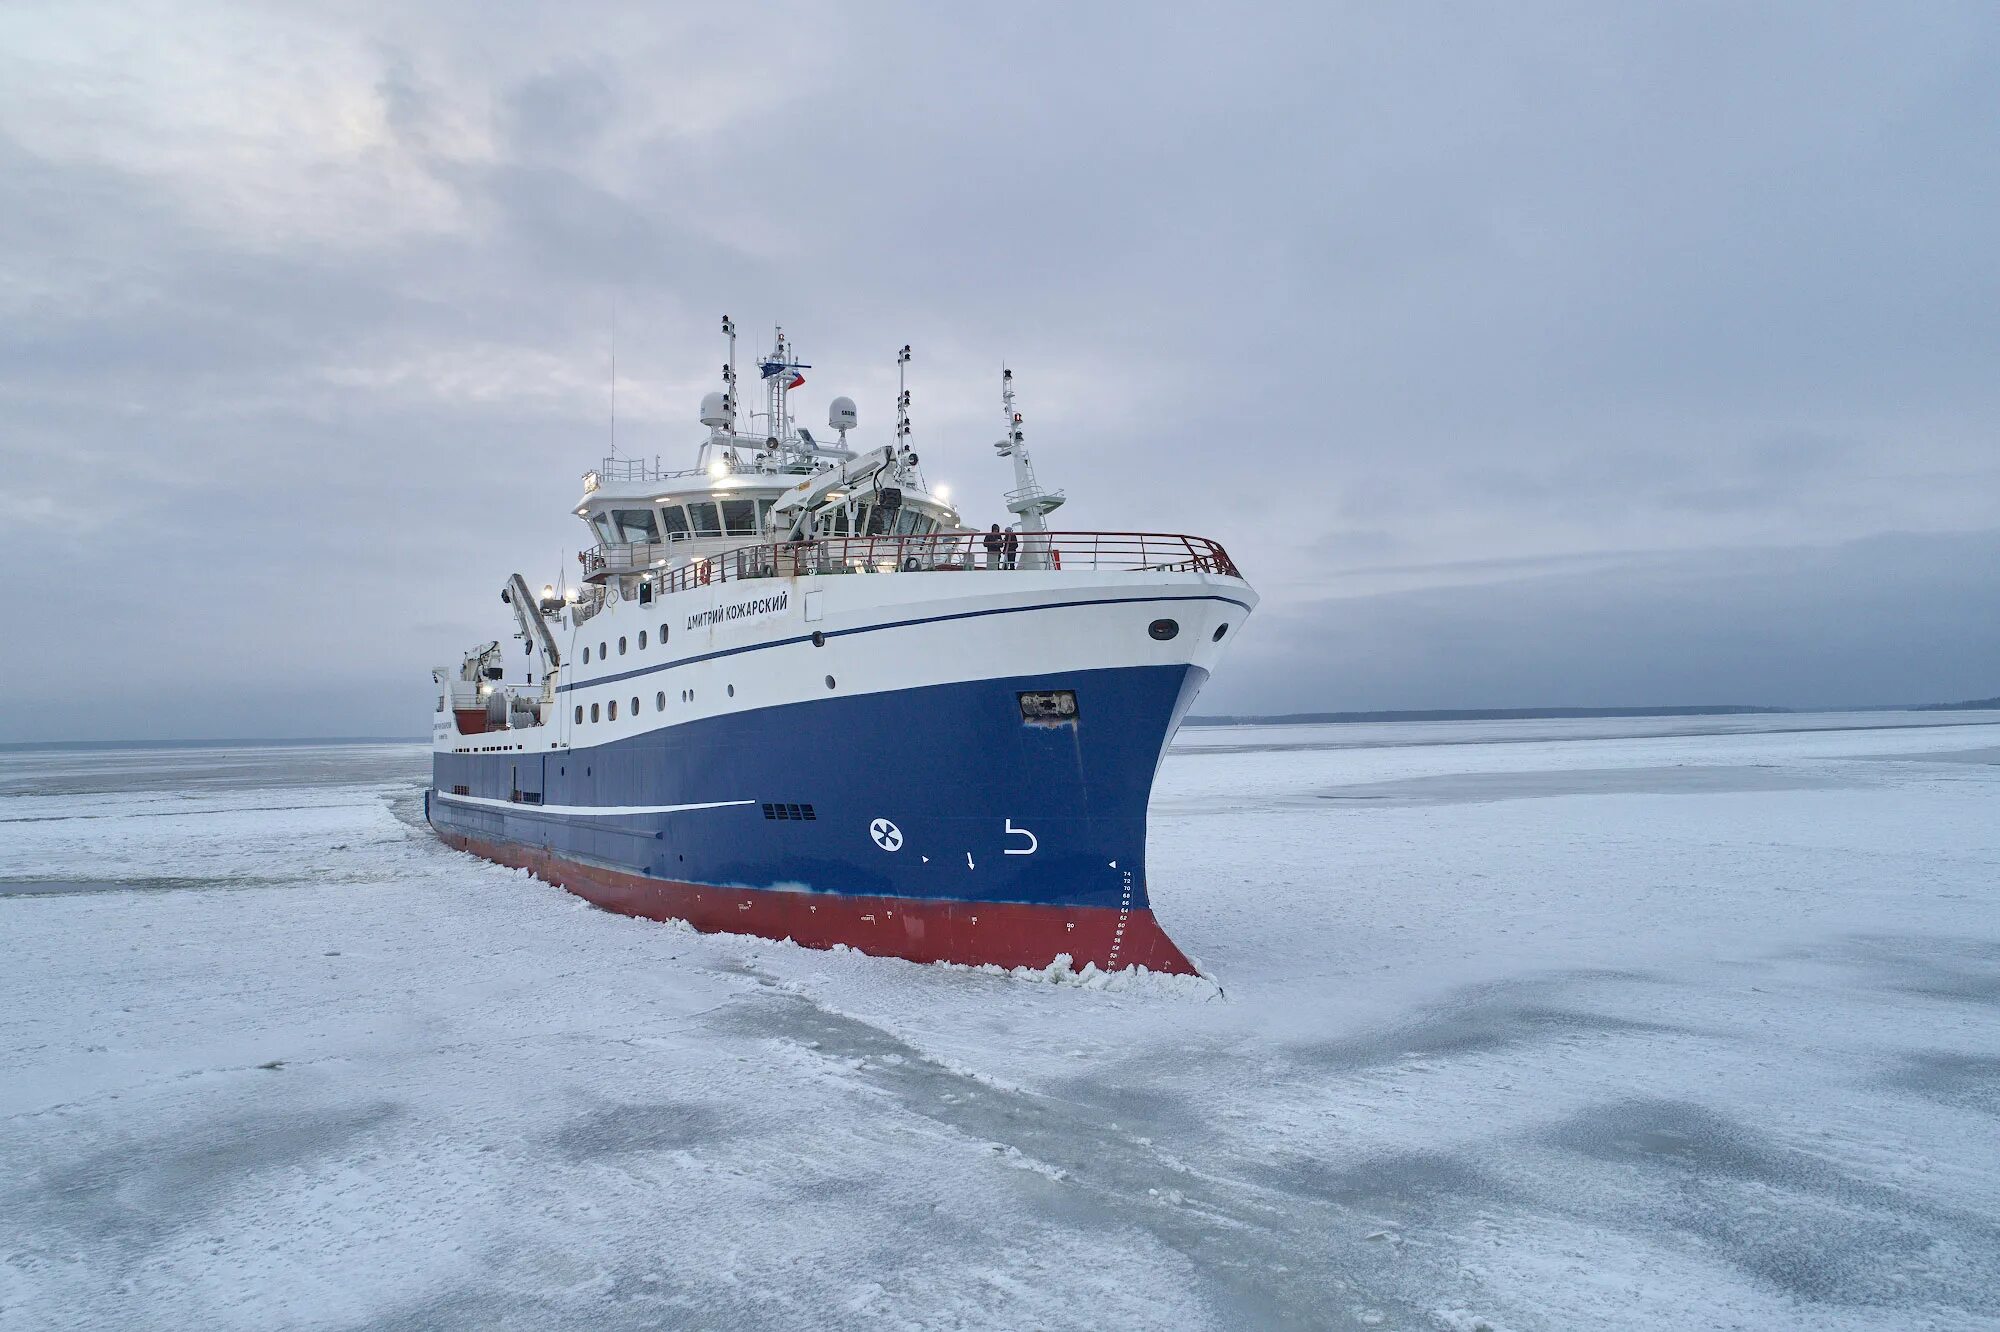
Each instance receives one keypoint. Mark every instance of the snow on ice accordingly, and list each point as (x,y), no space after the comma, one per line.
(1666,1024)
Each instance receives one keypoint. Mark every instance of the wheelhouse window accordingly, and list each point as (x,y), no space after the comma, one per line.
(674,522)
(704,520)
(635,525)
(739,517)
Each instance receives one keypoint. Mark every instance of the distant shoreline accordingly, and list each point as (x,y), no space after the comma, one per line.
(1253,719)
(226,742)
(1558,714)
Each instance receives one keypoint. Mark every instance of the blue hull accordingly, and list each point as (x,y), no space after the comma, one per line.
(984,806)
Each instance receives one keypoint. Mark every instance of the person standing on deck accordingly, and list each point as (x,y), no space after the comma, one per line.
(994,541)
(1010,547)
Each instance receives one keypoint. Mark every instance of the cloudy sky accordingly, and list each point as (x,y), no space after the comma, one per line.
(1525,354)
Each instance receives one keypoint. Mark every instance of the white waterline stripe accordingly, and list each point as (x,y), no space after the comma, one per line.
(599,811)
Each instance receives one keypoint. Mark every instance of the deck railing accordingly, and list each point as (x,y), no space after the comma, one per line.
(939,552)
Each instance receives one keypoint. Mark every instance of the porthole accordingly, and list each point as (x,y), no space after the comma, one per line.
(611,710)
(732,691)
(635,705)
(660,701)
(586,656)
(642,640)
(1164,629)
(819,639)
(602,653)
(593,712)
(829,682)
(621,645)
(579,712)
(663,635)
(1220,630)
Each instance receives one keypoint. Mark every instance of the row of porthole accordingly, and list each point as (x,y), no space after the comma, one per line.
(1160,629)
(604,648)
(659,703)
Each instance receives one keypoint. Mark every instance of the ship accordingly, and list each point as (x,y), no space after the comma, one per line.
(791,692)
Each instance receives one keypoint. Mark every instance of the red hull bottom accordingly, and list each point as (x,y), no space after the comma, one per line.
(1006,934)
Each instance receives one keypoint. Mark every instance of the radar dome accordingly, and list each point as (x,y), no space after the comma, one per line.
(714,410)
(840,415)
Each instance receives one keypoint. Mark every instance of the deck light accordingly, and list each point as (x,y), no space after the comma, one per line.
(718,469)
(943,492)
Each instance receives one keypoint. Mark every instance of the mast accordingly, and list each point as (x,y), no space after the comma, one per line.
(1027,499)
(729,372)
(775,387)
(902,400)
(780,371)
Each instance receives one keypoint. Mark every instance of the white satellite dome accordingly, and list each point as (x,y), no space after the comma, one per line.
(714,410)
(840,414)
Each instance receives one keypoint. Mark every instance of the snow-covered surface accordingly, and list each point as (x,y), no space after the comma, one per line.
(1519,1026)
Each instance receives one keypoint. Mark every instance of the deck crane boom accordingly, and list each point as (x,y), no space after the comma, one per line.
(791,514)
(529,616)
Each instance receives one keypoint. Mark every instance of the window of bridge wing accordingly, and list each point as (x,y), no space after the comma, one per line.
(673,523)
(635,525)
(704,520)
(739,517)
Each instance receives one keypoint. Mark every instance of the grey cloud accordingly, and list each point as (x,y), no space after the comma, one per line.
(1526,322)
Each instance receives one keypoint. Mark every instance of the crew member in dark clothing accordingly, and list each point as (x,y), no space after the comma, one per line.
(994,541)
(1010,548)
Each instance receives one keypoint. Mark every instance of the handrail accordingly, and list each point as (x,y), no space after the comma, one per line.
(1163,552)
(633,469)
